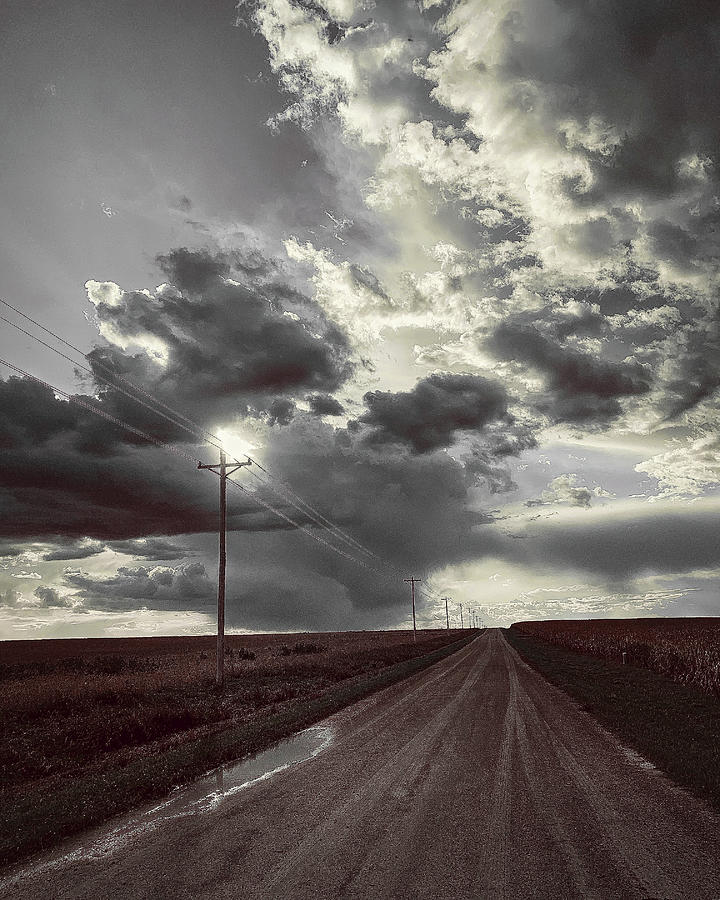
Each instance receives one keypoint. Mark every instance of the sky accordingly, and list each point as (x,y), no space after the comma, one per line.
(446,271)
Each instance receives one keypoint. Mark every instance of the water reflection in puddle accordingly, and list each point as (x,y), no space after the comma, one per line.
(201,796)
(230,778)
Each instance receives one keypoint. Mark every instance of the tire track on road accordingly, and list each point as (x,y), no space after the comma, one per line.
(317,848)
(493,874)
(534,776)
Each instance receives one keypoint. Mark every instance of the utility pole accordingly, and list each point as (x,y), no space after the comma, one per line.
(223,469)
(447,614)
(462,624)
(412,582)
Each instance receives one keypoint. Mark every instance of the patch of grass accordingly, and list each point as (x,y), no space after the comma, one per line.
(309,647)
(675,726)
(121,740)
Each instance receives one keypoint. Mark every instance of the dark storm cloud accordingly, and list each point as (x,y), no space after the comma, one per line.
(628,543)
(414,511)
(235,339)
(184,587)
(648,69)
(694,366)
(70,549)
(10,549)
(325,405)
(266,602)
(150,548)
(429,416)
(52,486)
(580,387)
(280,412)
(651,67)
(49,597)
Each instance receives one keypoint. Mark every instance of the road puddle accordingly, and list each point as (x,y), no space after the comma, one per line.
(197,798)
(228,779)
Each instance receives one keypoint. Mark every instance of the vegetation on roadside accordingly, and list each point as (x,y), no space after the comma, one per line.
(686,650)
(91,728)
(675,726)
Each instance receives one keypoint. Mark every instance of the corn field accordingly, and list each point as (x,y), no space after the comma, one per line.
(686,650)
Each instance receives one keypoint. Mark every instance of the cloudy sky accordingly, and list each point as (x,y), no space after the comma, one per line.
(447,270)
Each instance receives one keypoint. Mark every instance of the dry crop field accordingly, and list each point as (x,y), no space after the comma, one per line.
(65,704)
(686,650)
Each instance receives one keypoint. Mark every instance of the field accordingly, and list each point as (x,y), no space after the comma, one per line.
(685,650)
(91,727)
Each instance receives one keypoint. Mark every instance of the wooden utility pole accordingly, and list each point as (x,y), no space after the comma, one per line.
(223,469)
(412,582)
(447,614)
(462,624)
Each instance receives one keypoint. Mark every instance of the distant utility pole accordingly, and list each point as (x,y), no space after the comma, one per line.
(447,614)
(412,582)
(462,624)
(223,469)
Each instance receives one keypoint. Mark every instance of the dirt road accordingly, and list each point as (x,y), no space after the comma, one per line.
(473,779)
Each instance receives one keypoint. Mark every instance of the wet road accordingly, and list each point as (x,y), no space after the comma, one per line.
(472,779)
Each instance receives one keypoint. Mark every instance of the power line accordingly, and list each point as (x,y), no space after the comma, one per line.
(169,447)
(196,430)
(309,512)
(100,377)
(105,415)
(329,524)
(199,432)
(105,368)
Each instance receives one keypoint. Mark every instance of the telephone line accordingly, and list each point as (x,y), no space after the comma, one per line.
(169,447)
(198,432)
(329,524)
(78,402)
(317,518)
(197,428)
(104,380)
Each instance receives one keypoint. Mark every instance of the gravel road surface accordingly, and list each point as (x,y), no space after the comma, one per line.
(472,779)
